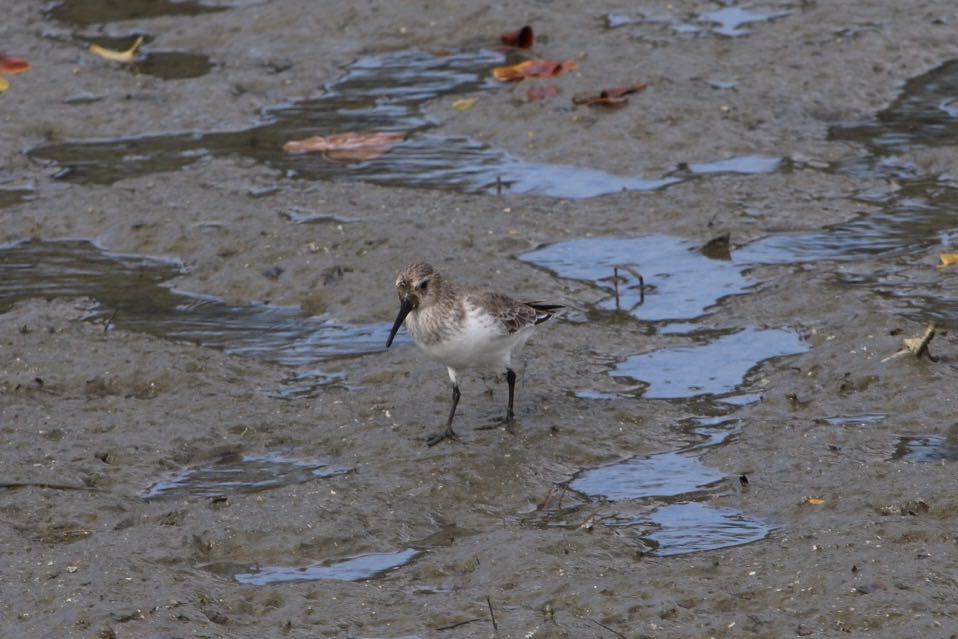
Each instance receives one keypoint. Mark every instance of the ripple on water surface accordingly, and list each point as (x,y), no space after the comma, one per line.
(712,368)
(660,475)
(926,448)
(130,290)
(925,114)
(383,92)
(242,474)
(694,527)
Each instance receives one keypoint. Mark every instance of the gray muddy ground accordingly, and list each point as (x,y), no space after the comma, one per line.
(203,436)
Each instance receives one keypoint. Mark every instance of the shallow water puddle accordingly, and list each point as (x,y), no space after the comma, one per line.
(864,419)
(242,474)
(130,292)
(694,527)
(926,448)
(83,13)
(925,114)
(376,93)
(915,221)
(357,568)
(712,368)
(681,282)
(731,21)
(659,475)
(10,197)
(167,65)
(744,164)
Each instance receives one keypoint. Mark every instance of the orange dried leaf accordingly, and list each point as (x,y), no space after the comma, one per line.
(520,38)
(117,56)
(539,68)
(347,146)
(613,97)
(813,501)
(947,259)
(11,65)
(543,91)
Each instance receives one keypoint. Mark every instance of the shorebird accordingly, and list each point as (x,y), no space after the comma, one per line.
(464,328)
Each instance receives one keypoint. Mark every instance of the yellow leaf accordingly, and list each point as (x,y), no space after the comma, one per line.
(540,68)
(813,501)
(947,259)
(4,85)
(464,104)
(117,56)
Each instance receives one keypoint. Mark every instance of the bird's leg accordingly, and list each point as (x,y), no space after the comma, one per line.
(511,380)
(510,419)
(448,433)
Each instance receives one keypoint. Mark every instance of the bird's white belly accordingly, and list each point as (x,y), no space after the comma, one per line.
(480,343)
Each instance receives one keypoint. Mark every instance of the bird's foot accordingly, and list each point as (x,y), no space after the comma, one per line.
(508,423)
(438,437)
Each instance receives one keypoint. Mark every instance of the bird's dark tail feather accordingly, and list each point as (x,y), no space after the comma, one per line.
(544,311)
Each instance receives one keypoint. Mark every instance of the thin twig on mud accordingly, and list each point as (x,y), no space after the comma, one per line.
(461,623)
(556,493)
(628,268)
(11,485)
(109,321)
(616,633)
(492,614)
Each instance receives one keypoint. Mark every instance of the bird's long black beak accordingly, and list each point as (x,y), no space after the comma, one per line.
(404,307)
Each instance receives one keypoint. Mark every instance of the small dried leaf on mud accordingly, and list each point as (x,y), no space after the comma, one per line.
(117,56)
(347,146)
(812,501)
(614,97)
(947,259)
(520,38)
(539,68)
(11,65)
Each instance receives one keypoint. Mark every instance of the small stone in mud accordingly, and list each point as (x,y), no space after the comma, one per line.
(273,272)
(105,632)
(718,247)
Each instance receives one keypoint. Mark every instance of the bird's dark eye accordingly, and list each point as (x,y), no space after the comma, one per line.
(424,285)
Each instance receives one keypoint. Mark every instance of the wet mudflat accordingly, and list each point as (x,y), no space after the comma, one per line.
(203,435)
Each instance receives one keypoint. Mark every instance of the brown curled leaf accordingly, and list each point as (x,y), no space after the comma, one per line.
(539,68)
(543,91)
(614,97)
(347,147)
(520,38)
(11,65)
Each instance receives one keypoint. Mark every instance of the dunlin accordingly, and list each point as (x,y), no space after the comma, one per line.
(464,328)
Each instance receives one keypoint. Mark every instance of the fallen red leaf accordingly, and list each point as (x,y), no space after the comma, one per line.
(347,146)
(614,97)
(540,68)
(543,91)
(11,65)
(520,38)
